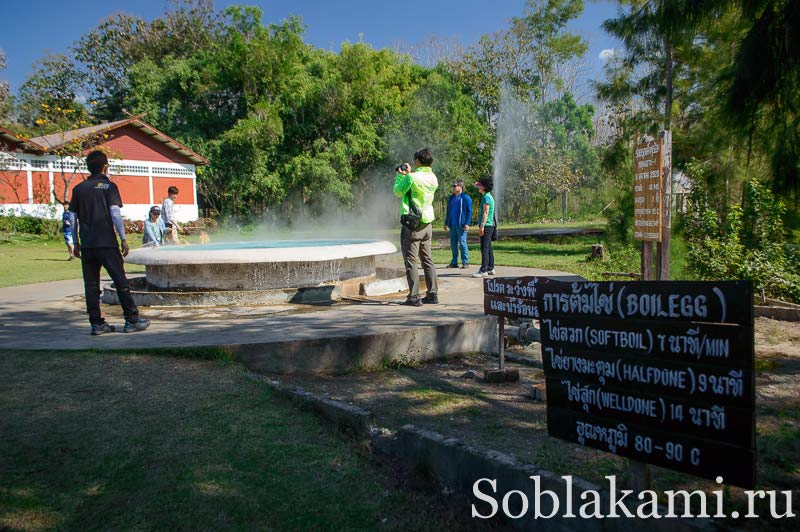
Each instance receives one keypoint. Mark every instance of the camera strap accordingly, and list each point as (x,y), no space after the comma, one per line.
(414,216)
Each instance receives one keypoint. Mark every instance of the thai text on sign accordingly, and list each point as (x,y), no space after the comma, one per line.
(657,371)
(648,188)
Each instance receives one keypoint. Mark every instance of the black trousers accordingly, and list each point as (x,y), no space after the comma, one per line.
(487,252)
(110,259)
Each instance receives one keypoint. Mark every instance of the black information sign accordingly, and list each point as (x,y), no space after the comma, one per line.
(657,371)
(513,297)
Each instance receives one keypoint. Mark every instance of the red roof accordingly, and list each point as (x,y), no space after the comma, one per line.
(55,140)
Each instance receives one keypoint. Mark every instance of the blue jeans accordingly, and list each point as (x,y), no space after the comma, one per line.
(458,239)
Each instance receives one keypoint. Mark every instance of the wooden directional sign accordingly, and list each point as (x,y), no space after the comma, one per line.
(657,371)
(649,185)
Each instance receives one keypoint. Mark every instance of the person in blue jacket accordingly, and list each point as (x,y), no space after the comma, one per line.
(457,219)
(154,228)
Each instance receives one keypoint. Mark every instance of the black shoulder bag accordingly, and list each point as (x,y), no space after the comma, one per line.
(494,233)
(414,216)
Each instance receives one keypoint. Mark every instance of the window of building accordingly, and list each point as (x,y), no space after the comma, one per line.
(172,170)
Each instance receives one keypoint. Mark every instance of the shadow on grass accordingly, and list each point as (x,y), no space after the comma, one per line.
(189,353)
(123,443)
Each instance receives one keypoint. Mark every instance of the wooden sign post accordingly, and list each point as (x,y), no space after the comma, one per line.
(508,297)
(652,169)
(652,223)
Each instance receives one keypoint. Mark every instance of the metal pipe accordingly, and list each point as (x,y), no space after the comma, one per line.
(525,334)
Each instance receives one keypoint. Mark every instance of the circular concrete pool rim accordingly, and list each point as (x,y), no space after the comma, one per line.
(265,265)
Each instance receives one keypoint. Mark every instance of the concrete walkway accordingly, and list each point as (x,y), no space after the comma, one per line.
(52,316)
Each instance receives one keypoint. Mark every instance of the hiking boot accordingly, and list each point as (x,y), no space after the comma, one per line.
(452,266)
(431,299)
(413,302)
(480,273)
(135,326)
(102,328)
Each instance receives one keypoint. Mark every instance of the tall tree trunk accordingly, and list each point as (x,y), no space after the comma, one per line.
(668,52)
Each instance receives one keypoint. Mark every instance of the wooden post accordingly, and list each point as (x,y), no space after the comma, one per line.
(639,477)
(501,328)
(662,271)
(647,260)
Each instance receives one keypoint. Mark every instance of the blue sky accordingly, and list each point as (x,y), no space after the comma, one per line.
(29,31)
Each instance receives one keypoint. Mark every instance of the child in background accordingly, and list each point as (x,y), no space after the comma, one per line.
(68,228)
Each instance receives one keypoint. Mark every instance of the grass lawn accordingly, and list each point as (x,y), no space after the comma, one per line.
(33,259)
(569,253)
(110,442)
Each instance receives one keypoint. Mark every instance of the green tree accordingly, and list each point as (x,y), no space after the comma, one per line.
(106,54)
(527,56)
(724,75)
(54,86)
(4,90)
(440,115)
(557,157)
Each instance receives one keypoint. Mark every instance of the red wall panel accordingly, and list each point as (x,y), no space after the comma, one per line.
(133,189)
(185,186)
(41,187)
(14,186)
(69,180)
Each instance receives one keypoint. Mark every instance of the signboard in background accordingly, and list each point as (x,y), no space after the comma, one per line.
(648,189)
(657,371)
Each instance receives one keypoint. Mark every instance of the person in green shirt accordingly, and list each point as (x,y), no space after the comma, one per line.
(486,226)
(418,184)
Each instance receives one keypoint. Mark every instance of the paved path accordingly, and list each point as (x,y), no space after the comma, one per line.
(52,316)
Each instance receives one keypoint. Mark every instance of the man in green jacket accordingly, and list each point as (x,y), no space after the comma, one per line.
(419,185)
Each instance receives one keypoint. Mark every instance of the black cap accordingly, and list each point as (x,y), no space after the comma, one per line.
(485,182)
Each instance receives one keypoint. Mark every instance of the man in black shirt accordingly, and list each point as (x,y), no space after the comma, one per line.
(97,203)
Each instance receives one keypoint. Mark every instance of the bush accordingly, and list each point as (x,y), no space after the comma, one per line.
(620,258)
(134,226)
(749,244)
(13,223)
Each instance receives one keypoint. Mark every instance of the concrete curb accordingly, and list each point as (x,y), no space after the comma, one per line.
(340,354)
(456,466)
(344,416)
(777,313)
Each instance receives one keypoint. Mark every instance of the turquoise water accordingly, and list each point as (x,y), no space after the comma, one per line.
(266,244)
